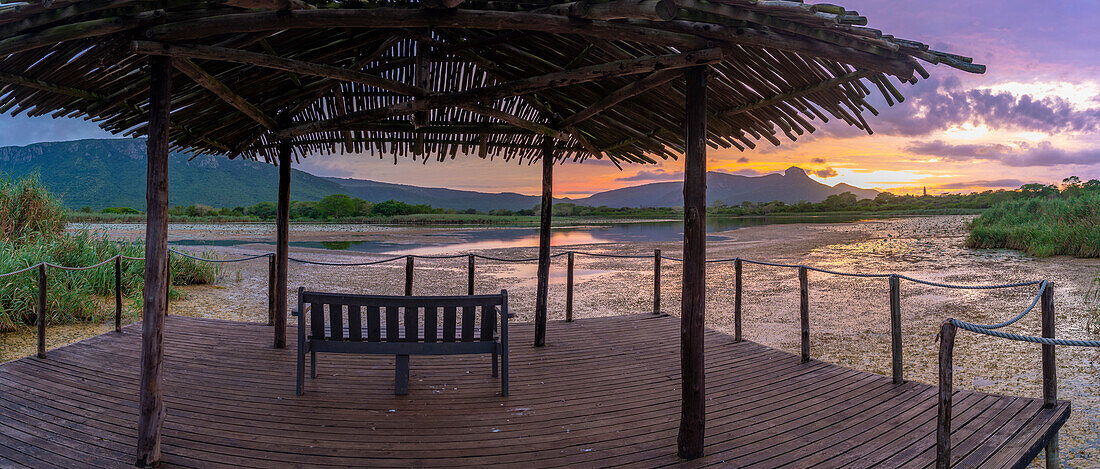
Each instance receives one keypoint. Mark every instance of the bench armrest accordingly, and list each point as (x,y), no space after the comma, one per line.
(294,312)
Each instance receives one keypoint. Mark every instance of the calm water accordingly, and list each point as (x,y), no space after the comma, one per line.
(455,240)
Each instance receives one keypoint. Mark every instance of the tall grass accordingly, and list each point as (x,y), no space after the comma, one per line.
(1041,226)
(32,231)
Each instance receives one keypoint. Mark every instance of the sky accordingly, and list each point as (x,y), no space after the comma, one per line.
(1034,116)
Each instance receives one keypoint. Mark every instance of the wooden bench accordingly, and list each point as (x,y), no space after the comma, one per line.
(402,326)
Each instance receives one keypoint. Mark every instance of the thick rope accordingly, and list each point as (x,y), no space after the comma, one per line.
(337,264)
(55,266)
(242,259)
(847,274)
(21,271)
(1023,338)
(614,256)
(1038,296)
(971,287)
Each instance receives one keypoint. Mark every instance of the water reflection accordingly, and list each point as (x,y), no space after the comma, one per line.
(458,240)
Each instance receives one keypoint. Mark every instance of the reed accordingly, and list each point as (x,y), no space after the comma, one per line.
(1041,226)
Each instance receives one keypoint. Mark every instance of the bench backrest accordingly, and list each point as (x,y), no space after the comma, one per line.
(378,318)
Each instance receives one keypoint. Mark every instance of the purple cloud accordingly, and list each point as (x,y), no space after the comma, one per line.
(996,183)
(654,175)
(1041,154)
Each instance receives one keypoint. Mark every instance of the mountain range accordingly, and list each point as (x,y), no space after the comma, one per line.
(111,173)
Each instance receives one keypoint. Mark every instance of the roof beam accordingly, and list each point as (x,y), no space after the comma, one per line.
(661,10)
(516,88)
(629,91)
(49,87)
(516,121)
(219,89)
(852,76)
(224,54)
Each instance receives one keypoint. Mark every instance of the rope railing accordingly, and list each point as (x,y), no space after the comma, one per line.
(1023,338)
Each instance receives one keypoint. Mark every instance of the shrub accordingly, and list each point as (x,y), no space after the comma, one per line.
(1041,226)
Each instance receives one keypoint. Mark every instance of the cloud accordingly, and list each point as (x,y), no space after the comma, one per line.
(744,172)
(742,160)
(654,175)
(818,161)
(824,173)
(996,184)
(1025,154)
(937,105)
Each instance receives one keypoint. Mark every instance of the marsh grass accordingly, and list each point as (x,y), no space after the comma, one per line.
(1041,226)
(32,231)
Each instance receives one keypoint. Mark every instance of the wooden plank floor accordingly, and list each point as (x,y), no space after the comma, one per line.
(604,392)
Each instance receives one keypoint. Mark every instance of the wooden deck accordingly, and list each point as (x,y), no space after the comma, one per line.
(603,392)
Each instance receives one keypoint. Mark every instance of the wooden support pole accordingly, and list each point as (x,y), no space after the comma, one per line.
(168,275)
(737,292)
(408,275)
(547,206)
(943,420)
(693,304)
(804,311)
(272,275)
(282,243)
(895,328)
(151,405)
(1050,371)
(470,275)
(118,293)
(569,289)
(40,318)
(656,281)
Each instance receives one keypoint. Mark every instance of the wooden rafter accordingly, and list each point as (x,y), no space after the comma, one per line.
(279,63)
(622,94)
(516,88)
(212,84)
(50,87)
(516,121)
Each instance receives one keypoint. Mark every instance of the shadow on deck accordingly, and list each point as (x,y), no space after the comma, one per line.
(605,391)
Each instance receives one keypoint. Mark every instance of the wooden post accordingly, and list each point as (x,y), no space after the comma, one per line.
(40,318)
(282,242)
(569,290)
(737,290)
(1050,370)
(804,311)
(547,205)
(470,275)
(151,405)
(118,293)
(895,328)
(657,281)
(943,420)
(272,274)
(408,275)
(693,304)
(168,276)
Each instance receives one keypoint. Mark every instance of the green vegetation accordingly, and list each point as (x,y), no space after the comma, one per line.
(1044,221)
(32,231)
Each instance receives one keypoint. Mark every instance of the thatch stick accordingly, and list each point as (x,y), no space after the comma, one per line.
(220,90)
(513,88)
(275,62)
(151,401)
(693,305)
(622,94)
(516,121)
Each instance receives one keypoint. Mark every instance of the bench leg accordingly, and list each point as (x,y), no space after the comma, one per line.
(494,362)
(301,370)
(312,364)
(401,375)
(504,371)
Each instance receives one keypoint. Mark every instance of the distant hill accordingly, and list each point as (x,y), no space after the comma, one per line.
(111,173)
(791,187)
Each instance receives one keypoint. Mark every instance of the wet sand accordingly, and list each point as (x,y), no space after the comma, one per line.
(849,319)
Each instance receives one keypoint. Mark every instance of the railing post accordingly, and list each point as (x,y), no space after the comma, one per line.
(41,319)
(118,293)
(271,290)
(804,311)
(569,289)
(656,281)
(470,275)
(168,276)
(737,300)
(895,327)
(943,420)
(1050,370)
(408,275)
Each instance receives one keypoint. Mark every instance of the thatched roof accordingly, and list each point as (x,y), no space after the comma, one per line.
(485,78)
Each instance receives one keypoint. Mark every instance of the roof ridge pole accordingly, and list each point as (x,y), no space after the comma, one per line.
(693,304)
(549,150)
(151,415)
